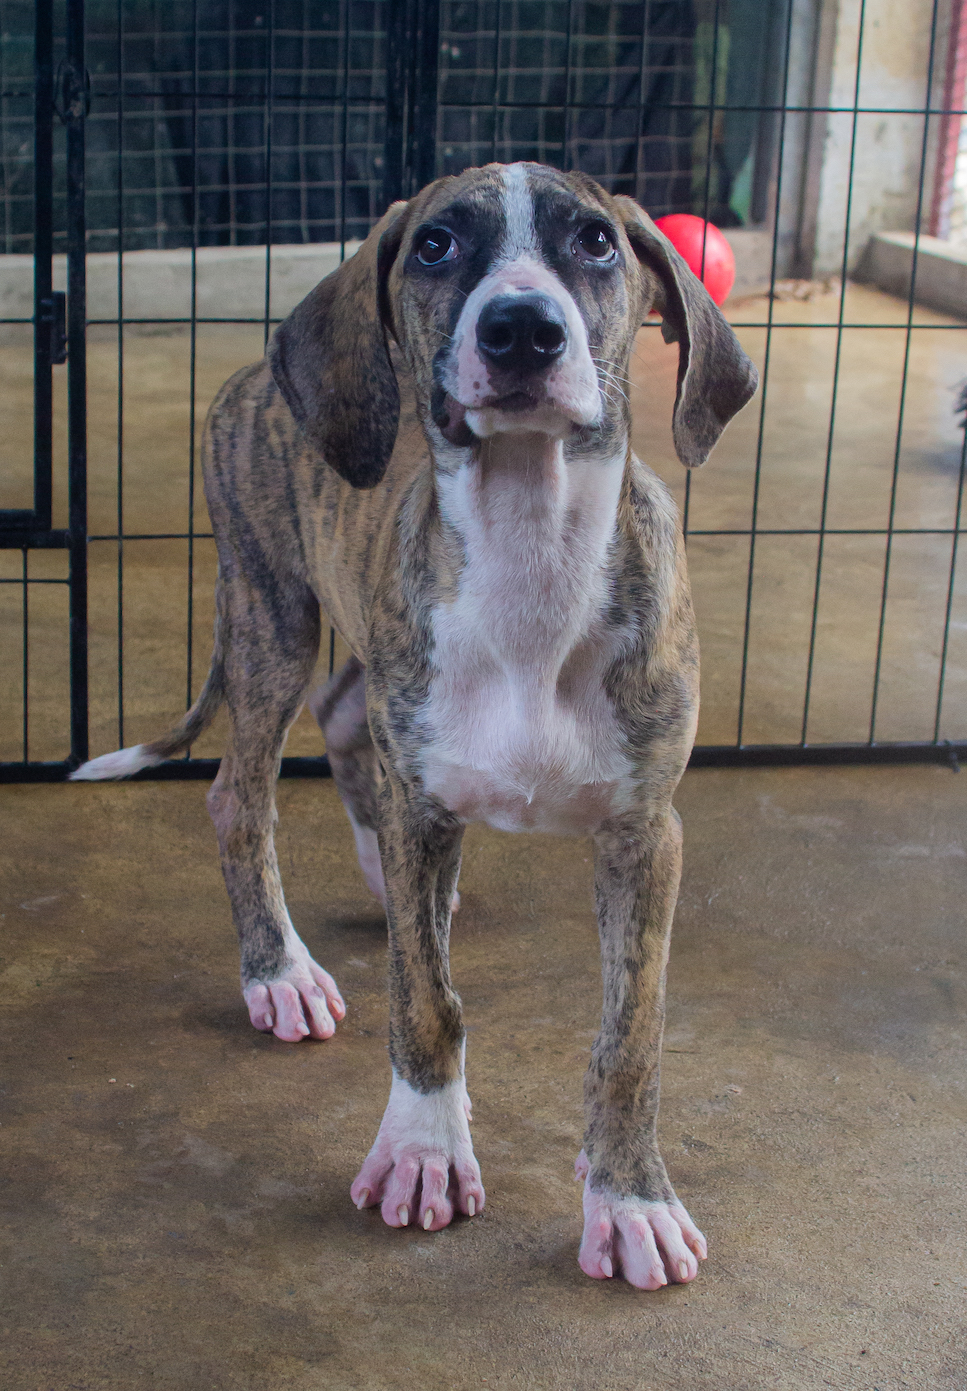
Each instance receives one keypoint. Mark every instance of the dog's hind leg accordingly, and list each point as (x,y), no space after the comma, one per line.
(274,640)
(340,709)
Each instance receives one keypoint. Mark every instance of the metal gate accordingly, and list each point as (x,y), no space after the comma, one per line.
(59,335)
(288,125)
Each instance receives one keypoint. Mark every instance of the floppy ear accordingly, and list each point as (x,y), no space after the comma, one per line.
(715,377)
(330,360)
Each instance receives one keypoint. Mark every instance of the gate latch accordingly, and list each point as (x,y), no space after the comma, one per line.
(72,92)
(53,312)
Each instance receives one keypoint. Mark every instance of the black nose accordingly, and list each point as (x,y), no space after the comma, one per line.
(521,333)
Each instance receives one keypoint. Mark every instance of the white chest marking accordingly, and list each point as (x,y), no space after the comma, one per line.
(520,732)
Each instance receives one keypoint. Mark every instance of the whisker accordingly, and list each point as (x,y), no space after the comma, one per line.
(609,379)
(605,362)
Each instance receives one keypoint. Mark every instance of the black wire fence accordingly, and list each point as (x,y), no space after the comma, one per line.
(174,175)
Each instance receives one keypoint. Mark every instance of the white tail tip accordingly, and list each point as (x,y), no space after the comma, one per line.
(120,764)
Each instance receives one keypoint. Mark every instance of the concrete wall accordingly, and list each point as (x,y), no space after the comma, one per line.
(889,145)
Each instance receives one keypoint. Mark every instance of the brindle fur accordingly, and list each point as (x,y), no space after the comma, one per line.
(320,486)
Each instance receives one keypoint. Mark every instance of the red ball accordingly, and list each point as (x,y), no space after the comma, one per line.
(686,232)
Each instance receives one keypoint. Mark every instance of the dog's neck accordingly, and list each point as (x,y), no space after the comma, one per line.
(534,527)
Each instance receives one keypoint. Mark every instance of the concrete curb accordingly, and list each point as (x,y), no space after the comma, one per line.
(941,281)
(230,280)
(157,285)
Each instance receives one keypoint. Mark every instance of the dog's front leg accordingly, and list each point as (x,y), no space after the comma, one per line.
(422,1167)
(633,1223)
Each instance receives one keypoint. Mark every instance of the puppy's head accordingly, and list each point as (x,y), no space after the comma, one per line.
(515,292)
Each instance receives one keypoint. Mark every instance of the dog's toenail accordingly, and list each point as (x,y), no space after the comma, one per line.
(363,1199)
(683,1269)
(606,1267)
(403,1213)
(428,1219)
(471,1207)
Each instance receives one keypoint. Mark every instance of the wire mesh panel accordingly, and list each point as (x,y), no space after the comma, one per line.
(191,101)
(619,90)
(236,150)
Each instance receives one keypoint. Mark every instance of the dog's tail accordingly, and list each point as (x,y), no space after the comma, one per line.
(124,762)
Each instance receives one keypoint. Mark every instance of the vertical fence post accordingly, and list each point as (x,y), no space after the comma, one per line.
(43,252)
(397,28)
(426,50)
(412,65)
(74,97)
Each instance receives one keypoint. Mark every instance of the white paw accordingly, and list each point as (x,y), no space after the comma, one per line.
(303,1002)
(422,1168)
(649,1243)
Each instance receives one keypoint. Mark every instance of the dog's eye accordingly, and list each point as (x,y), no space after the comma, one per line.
(594,243)
(435,246)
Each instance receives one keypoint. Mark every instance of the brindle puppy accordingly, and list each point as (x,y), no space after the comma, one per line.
(465,506)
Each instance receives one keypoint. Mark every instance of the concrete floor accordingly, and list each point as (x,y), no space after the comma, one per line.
(176,1212)
(155,495)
